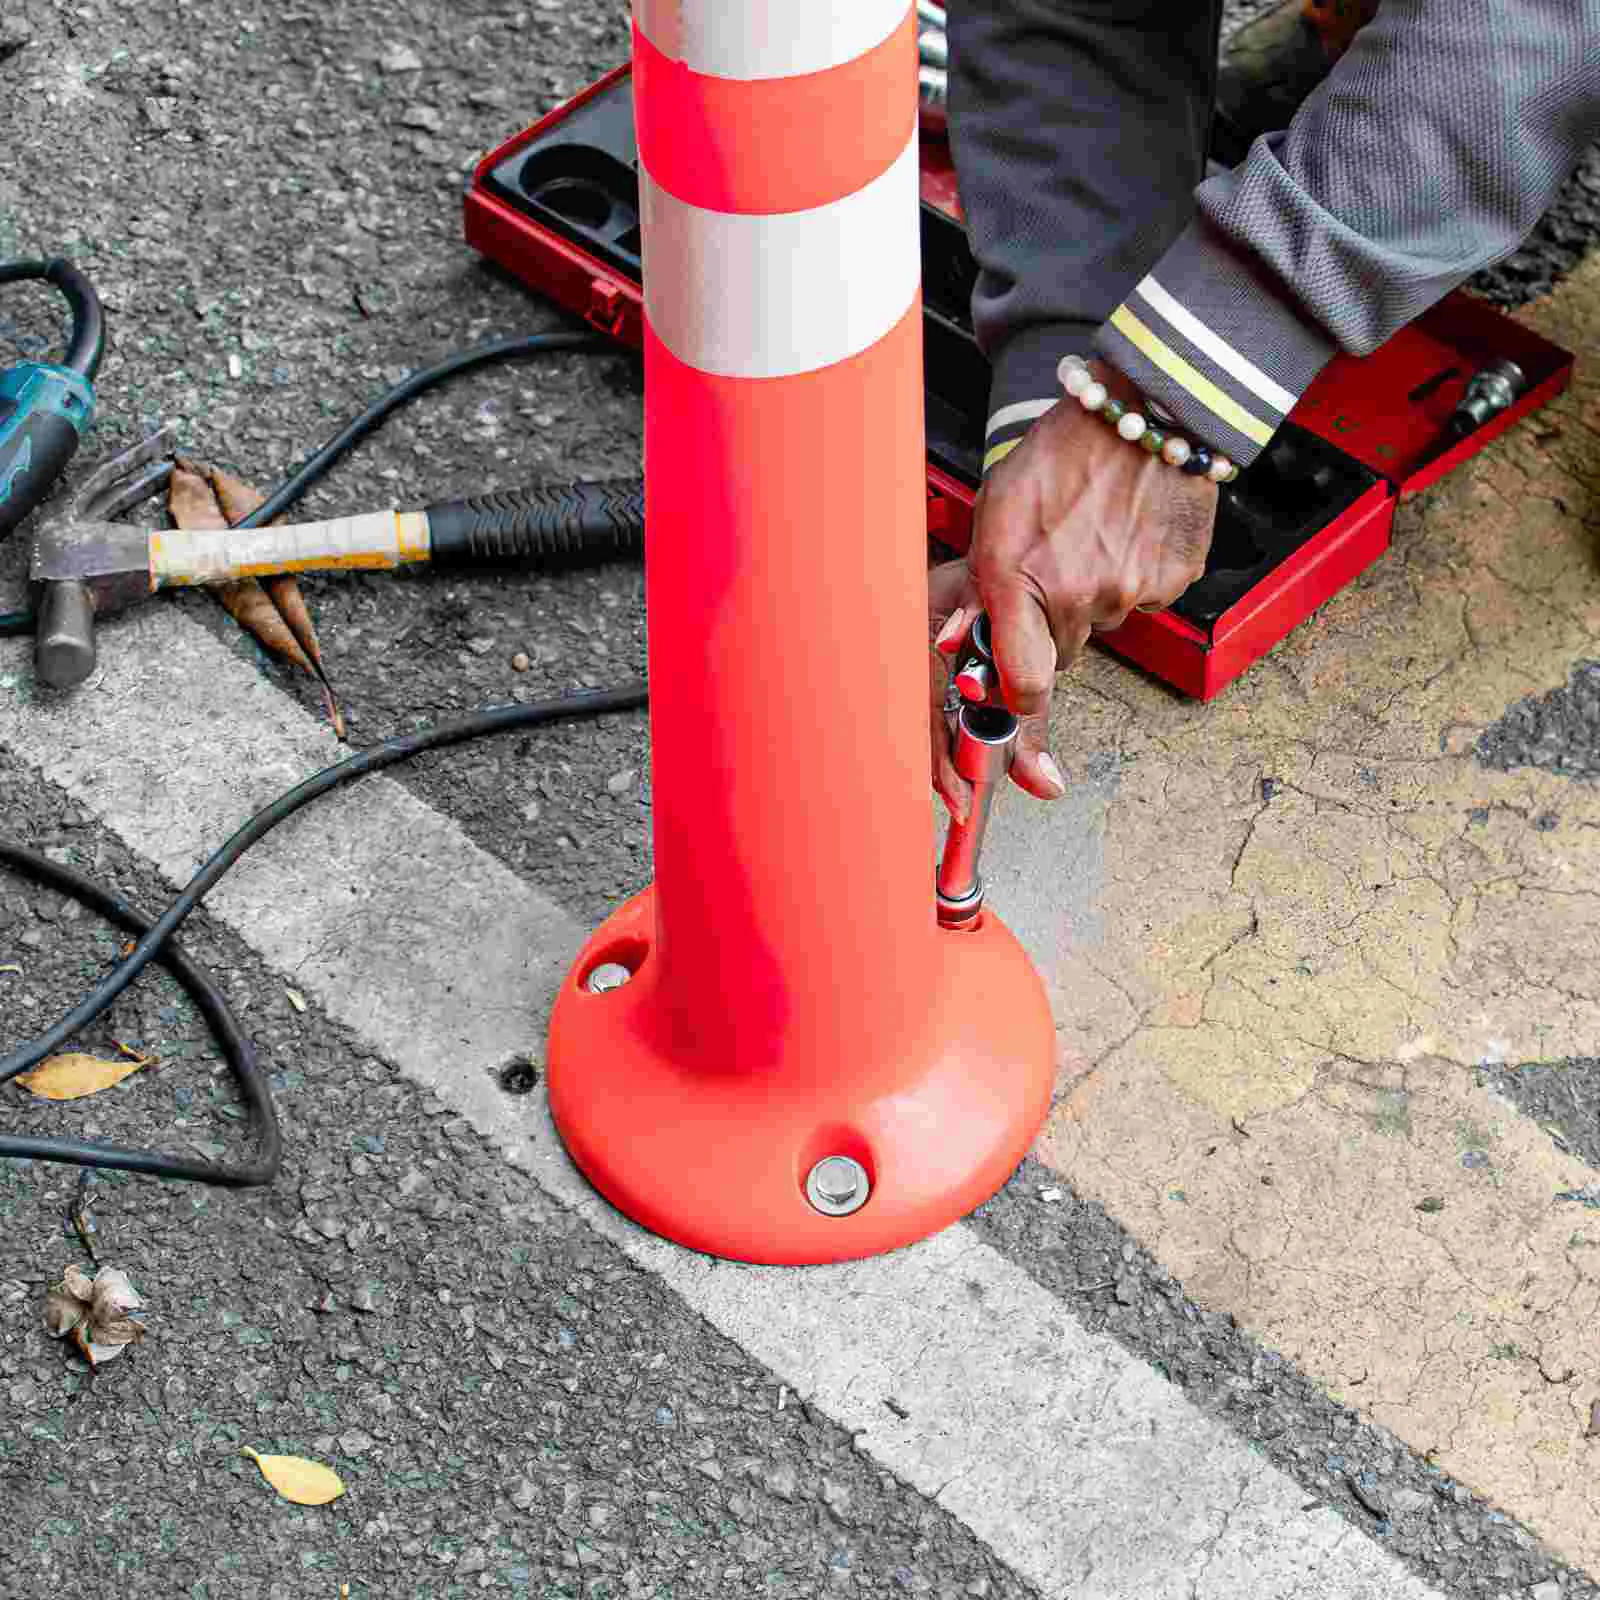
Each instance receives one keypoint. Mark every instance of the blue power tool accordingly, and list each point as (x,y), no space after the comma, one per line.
(44,407)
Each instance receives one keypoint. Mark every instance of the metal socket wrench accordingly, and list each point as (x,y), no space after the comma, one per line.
(1489,392)
(986,744)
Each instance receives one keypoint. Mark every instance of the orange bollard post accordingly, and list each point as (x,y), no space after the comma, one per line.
(775,1053)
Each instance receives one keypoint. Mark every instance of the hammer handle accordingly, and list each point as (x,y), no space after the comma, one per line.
(552,525)
(375,540)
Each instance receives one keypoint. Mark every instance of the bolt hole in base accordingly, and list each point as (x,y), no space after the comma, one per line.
(611,968)
(938,1121)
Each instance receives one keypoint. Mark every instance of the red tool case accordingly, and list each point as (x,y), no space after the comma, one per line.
(558,206)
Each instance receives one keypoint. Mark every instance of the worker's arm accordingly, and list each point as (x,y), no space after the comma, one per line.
(1078,128)
(1430,151)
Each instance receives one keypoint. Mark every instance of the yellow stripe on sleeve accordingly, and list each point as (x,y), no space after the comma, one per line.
(1197,383)
(1000,452)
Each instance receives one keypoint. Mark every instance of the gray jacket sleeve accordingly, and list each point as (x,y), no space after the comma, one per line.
(1429,152)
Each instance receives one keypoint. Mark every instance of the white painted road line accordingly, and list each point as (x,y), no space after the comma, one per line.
(1082,1470)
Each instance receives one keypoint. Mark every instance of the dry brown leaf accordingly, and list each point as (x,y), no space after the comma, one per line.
(194,502)
(236,498)
(72,1077)
(272,608)
(284,589)
(284,592)
(190,500)
(251,607)
(307,1483)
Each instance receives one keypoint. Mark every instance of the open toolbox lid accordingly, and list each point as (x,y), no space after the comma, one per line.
(559,205)
(1388,409)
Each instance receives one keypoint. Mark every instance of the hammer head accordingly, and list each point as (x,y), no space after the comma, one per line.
(83,569)
(84,564)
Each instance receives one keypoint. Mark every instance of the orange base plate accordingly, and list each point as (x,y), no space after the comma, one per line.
(715,1156)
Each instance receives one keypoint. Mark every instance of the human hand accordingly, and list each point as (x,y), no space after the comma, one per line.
(1071,531)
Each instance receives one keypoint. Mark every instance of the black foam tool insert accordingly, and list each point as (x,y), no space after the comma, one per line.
(580,180)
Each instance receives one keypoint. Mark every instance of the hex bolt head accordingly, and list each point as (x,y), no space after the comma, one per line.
(838,1185)
(608,976)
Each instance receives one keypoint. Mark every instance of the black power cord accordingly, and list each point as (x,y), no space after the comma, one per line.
(154,935)
(236,1048)
(15,624)
(241,1057)
(88,342)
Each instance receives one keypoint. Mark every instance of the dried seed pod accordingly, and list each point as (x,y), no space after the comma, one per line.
(78,1282)
(114,1296)
(115,1330)
(62,1313)
(94,1353)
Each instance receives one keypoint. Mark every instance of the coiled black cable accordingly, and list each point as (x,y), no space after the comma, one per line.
(154,935)
(236,1047)
(87,343)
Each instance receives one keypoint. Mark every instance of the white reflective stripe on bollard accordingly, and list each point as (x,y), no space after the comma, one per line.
(747,296)
(751,40)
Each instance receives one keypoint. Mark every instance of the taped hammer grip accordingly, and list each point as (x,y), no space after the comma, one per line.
(558,525)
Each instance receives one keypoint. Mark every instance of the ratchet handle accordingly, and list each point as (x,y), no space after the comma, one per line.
(553,525)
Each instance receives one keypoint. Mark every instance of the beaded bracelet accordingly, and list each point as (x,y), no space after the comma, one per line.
(1189,456)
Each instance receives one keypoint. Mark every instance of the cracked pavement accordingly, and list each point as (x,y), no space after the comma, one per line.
(1321,926)
(269,202)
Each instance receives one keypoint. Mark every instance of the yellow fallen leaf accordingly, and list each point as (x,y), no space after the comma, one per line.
(296,999)
(307,1483)
(11,966)
(72,1077)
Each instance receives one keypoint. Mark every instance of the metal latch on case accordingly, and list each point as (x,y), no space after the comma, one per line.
(608,306)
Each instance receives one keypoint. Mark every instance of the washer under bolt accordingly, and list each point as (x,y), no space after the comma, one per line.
(608,976)
(838,1185)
